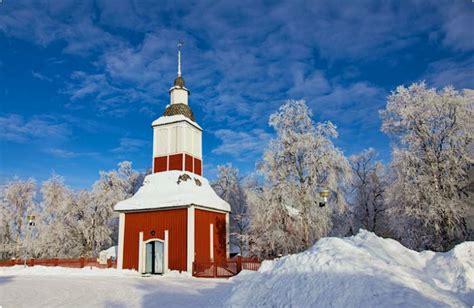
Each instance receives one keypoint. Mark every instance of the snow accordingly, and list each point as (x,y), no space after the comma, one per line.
(162,190)
(360,271)
(107,254)
(174,118)
(110,252)
(67,287)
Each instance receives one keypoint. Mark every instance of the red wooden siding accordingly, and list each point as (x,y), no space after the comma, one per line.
(174,221)
(197,166)
(176,162)
(161,164)
(202,238)
(188,161)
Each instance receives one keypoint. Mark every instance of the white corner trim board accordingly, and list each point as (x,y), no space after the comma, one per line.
(121,240)
(227,232)
(190,240)
(166,249)
(140,253)
(211,246)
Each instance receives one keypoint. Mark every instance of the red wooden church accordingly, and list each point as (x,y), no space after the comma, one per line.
(175,218)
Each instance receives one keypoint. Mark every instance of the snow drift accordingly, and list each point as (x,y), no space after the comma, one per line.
(360,271)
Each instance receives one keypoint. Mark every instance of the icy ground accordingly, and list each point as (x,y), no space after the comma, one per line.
(359,271)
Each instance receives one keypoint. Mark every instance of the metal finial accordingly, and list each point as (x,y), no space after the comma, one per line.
(180,44)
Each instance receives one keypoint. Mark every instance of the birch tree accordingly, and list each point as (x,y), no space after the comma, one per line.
(54,226)
(229,186)
(114,186)
(93,231)
(298,163)
(6,237)
(432,135)
(18,202)
(368,191)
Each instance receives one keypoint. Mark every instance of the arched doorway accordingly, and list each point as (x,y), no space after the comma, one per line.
(154,257)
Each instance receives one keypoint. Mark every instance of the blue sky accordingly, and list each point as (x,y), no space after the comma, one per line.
(81,82)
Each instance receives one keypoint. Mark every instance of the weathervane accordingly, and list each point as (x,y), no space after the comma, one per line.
(180,44)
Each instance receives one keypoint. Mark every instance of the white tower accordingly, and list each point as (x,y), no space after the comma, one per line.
(177,138)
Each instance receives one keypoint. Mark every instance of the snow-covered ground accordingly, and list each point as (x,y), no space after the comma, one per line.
(359,271)
(65,287)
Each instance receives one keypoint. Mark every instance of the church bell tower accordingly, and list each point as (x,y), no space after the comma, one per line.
(177,138)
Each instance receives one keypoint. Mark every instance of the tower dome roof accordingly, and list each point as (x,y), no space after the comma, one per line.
(179,82)
(183,109)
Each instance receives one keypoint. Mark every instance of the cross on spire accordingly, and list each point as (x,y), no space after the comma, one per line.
(180,44)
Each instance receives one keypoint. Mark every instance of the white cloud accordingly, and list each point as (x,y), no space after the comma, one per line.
(49,128)
(128,145)
(68,21)
(61,153)
(40,76)
(242,145)
(106,96)
(457,25)
(239,66)
(459,74)
(15,128)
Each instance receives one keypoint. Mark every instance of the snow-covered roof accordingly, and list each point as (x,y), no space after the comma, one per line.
(172,119)
(171,189)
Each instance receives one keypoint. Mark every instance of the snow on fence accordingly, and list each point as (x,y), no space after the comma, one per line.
(226,268)
(76,263)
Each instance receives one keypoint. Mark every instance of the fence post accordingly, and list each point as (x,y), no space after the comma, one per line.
(109,262)
(239,264)
(32,262)
(81,260)
(215,269)
(56,261)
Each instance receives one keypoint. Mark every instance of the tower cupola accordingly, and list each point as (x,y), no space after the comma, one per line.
(178,92)
(177,137)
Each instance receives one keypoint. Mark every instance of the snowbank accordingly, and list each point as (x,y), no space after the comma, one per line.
(173,188)
(360,271)
(109,253)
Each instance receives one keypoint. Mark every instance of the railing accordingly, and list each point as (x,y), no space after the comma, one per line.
(75,263)
(224,269)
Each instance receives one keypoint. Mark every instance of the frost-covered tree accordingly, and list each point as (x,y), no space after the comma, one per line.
(18,202)
(300,162)
(6,239)
(69,224)
(93,232)
(116,185)
(432,133)
(229,186)
(54,236)
(368,183)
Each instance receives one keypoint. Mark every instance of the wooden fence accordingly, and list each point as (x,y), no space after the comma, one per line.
(75,263)
(224,269)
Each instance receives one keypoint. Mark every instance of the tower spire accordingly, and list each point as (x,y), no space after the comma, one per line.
(180,44)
